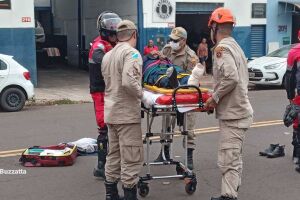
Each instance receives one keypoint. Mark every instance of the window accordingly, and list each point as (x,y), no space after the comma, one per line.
(259,10)
(3,65)
(5,4)
(282,52)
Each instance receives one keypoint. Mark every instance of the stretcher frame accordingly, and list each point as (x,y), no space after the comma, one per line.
(168,112)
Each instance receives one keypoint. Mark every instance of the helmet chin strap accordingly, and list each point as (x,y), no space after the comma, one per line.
(214,35)
(103,35)
(127,39)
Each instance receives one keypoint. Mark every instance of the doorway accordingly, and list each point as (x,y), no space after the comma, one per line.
(197,28)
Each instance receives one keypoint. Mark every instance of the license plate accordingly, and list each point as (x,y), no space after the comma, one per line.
(251,74)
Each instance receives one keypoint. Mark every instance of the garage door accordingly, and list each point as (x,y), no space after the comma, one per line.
(258,40)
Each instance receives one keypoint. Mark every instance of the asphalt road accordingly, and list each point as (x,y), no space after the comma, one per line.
(263,178)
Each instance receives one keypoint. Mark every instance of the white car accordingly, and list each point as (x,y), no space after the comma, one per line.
(15,84)
(269,69)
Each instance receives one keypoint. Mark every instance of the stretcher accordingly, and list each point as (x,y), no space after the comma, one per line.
(172,106)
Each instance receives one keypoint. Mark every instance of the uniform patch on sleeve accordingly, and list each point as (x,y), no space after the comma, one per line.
(219,51)
(101,46)
(134,55)
(194,60)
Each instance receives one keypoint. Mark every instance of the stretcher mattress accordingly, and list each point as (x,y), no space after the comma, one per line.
(160,96)
(158,90)
(191,98)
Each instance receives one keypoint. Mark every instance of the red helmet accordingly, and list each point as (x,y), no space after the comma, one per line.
(108,21)
(221,15)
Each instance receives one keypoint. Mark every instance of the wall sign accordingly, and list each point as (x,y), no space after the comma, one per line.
(286,40)
(5,4)
(26,19)
(164,11)
(259,10)
(282,29)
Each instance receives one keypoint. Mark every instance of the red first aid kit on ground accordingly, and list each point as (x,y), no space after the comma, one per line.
(49,156)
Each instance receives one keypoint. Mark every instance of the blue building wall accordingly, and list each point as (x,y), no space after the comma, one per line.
(276,16)
(241,34)
(20,43)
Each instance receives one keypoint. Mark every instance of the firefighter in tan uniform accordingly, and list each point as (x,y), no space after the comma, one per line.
(180,54)
(230,99)
(122,72)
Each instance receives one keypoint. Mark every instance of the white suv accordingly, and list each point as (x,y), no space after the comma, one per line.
(15,84)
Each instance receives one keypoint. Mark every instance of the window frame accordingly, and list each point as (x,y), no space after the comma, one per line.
(264,16)
(6,64)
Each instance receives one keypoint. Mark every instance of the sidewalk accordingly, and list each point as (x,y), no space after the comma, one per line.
(62,83)
(73,84)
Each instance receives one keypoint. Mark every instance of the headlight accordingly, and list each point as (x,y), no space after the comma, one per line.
(273,66)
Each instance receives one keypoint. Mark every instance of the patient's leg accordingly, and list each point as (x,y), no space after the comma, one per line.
(170,80)
(197,74)
(172,74)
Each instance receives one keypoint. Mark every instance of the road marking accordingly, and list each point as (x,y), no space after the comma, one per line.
(12,151)
(216,128)
(17,152)
(10,155)
(254,125)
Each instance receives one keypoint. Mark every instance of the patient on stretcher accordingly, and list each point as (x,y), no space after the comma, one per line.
(164,74)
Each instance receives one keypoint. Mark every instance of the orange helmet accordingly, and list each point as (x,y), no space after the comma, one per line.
(220,16)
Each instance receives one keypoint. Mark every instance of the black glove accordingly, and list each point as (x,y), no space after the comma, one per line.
(290,114)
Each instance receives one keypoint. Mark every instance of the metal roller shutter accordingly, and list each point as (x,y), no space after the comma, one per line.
(258,40)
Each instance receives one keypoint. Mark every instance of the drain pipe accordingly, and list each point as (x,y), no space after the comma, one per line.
(140,22)
(79,35)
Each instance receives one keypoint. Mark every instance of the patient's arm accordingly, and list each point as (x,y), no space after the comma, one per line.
(197,74)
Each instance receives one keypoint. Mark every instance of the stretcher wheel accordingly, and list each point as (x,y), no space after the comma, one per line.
(191,187)
(143,190)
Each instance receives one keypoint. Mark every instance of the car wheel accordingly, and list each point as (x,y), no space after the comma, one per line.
(12,99)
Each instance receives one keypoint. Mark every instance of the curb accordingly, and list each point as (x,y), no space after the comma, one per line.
(51,102)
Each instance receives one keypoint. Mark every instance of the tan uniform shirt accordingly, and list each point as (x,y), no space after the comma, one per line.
(186,58)
(231,81)
(122,72)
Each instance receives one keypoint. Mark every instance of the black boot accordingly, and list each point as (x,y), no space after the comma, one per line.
(296,155)
(99,170)
(172,74)
(130,193)
(167,154)
(278,152)
(112,191)
(296,144)
(223,198)
(270,149)
(190,162)
(298,168)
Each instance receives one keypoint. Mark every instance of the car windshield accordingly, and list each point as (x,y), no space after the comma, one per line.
(282,52)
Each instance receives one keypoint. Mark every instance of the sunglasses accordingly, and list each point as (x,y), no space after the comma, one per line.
(175,41)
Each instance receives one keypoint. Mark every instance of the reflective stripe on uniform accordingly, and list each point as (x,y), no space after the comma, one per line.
(91,61)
